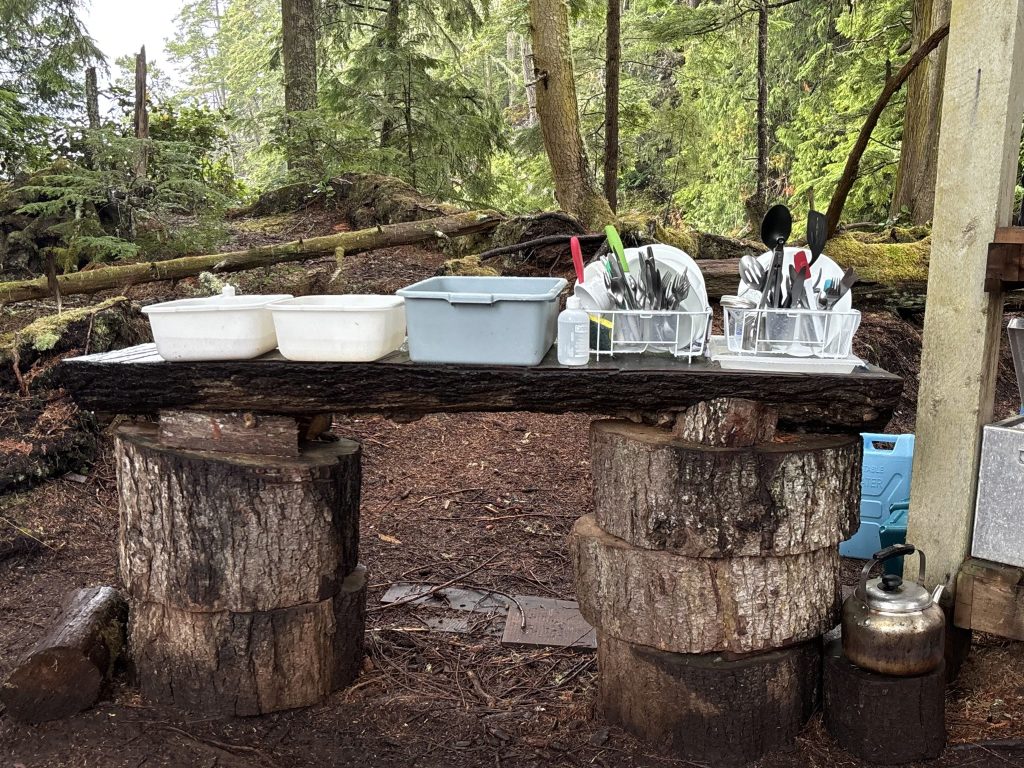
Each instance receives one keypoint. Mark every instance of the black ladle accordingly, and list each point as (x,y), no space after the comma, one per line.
(776,228)
(817,234)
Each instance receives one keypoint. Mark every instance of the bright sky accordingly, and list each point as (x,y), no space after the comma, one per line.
(121,27)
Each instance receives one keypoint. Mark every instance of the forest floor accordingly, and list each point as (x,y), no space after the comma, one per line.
(442,496)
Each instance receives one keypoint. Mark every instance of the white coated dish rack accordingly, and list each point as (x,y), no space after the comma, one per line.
(639,331)
(774,333)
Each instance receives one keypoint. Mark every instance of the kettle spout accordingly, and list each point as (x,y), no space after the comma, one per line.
(937,593)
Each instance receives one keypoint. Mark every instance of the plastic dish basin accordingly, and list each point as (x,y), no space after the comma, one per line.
(348,329)
(216,328)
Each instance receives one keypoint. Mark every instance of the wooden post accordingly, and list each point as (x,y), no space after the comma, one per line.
(978,153)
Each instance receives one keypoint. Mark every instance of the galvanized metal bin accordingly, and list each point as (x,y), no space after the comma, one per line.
(999,515)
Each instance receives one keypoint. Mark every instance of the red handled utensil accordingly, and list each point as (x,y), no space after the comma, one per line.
(577,258)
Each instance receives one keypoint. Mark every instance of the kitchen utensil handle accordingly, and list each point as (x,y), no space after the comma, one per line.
(577,258)
(895,550)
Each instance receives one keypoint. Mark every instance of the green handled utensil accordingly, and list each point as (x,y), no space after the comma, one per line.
(616,243)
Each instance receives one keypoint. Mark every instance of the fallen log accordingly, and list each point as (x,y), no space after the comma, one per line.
(65,670)
(95,280)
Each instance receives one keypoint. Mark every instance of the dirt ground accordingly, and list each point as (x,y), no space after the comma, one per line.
(442,496)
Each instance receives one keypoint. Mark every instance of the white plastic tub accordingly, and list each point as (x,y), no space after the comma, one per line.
(349,329)
(225,327)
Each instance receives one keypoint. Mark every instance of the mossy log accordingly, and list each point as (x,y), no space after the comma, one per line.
(95,280)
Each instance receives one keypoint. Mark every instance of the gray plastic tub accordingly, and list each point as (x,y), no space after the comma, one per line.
(482,320)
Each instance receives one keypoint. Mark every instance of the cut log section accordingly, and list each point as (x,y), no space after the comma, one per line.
(702,605)
(727,422)
(882,719)
(705,708)
(205,531)
(65,670)
(240,432)
(798,494)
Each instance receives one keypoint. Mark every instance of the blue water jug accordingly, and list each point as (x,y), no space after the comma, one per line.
(884,481)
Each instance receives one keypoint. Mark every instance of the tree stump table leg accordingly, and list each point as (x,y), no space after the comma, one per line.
(710,569)
(242,570)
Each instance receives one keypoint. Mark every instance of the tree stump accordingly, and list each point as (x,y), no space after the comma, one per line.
(882,719)
(795,495)
(65,670)
(705,708)
(702,605)
(242,570)
(204,531)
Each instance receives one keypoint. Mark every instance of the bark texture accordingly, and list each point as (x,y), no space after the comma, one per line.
(141,118)
(922,117)
(298,52)
(912,726)
(796,495)
(65,670)
(702,605)
(575,189)
(613,55)
(727,422)
(204,531)
(707,709)
(239,432)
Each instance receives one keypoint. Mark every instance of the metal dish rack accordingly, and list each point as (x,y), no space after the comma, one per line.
(641,331)
(790,332)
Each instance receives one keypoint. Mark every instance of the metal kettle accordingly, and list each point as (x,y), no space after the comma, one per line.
(891,626)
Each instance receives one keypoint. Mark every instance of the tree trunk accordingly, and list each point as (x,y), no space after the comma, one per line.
(141,121)
(95,280)
(613,53)
(702,605)
(390,40)
(298,51)
(707,709)
(575,189)
(919,150)
(526,49)
(65,670)
(791,496)
(758,205)
(92,98)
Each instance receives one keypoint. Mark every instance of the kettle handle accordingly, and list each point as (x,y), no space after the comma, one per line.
(895,550)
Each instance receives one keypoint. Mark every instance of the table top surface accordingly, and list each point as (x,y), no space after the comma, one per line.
(138,380)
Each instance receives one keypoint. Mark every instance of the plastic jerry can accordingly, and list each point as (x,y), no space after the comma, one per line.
(884,481)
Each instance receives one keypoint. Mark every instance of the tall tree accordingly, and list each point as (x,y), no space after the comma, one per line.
(575,187)
(298,52)
(141,119)
(612,66)
(758,205)
(919,150)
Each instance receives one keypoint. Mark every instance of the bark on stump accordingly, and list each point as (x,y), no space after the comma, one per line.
(702,605)
(206,531)
(65,670)
(656,491)
(242,570)
(882,719)
(705,708)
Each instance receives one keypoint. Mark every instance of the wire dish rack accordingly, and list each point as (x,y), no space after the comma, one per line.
(791,332)
(641,331)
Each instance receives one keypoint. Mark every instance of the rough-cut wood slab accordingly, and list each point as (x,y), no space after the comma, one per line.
(883,719)
(65,670)
(990,598)
(239,432)
(702,605)
(727,422)
(208,531)
(138,381)
(798,494)
(707,709)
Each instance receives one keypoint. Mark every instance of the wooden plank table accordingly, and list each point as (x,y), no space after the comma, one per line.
(138,381)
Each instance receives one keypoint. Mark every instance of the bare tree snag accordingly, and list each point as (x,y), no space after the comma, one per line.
(852,168)
(655,491)
(94,280)
(204,531)
(613,55)
(65,670)
(702,605)
(705,708)
(727,422)
(92,99)
(851,694)
(557,109)
(141,119)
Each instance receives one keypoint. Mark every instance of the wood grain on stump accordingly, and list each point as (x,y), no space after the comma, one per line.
(702,605)
(64,672)
(883,719)
(249,663)
(795,495)
(705,708)
(727,422)
(204,531)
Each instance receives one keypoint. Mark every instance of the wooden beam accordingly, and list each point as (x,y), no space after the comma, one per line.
(990,598)
(979,146)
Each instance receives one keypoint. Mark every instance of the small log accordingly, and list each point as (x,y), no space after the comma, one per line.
(65,670)
(705,708)
(702,605)
(727,422)
(882,719)
(350,622)
(653,490)
(237,432)
(205,531)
